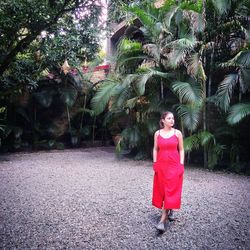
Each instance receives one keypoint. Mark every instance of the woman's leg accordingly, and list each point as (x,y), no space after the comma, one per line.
(161,225)
(164,215)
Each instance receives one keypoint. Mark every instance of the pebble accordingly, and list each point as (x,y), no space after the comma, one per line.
(90,199)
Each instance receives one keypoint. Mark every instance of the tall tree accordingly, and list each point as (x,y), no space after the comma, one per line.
(22,22)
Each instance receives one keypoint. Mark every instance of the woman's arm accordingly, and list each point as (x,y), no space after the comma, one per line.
(181,147)
(155,148)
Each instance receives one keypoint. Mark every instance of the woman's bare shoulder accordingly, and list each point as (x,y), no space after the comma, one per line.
(157,132)
(178,132)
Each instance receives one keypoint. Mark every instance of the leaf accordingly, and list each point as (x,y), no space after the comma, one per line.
(152,50)
(121,94)
(68,95)
(140,83)
(195,67)
(146,18)
(186,42)
(190,6)
(170,14)
(132,102)
(225,91)
(244,79)
(103,95)
(207,138)
(241,59)
(187,92)
(190,143)
(131,136)
(214,153)
(142,79)
(222,6)
(190,115)
(238,112)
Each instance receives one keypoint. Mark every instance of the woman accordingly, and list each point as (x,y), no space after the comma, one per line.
(168,158)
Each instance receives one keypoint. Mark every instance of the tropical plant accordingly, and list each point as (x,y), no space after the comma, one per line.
(186,43)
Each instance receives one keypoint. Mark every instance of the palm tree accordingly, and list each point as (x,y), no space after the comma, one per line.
(182,48)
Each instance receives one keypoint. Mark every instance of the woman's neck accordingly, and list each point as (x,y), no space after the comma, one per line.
(167,129)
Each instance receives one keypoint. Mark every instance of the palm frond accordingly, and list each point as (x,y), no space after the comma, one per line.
(130,103)
(129,79)
(244,79)
(243,8)
(103,95)
(191,142)
(140,83)
(225,91)
(127,60)
(196,20)
(195,67)
(190,115)
(170,14)
(131,136)
(241,59)
(175,57)
(187,92)
(154,104)
(121,94)
(207,138)
(167,6)
(214,153)
(129,51)
(191,6)
(186,42)
(126,45)
(222,6)
(238,112)
(142,79)
(160,73)
(153,51)
(152,125)
(146,18)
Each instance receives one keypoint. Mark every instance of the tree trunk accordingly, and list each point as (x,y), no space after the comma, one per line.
(22,45)
(205,153)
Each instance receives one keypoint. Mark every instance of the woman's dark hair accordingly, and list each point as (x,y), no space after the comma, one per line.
(163,116)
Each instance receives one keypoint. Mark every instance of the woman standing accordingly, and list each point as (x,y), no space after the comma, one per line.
(168,158)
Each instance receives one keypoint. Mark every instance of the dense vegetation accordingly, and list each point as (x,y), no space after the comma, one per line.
(191,57)
(43,103)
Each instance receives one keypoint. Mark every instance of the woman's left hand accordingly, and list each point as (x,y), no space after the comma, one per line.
(181,168)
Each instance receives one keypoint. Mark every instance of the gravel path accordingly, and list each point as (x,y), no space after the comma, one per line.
(88,199)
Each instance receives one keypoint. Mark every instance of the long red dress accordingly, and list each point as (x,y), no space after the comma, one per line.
(168,178)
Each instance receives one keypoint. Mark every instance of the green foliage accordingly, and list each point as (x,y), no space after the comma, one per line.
(205,139)
(225,91)
(37,37)
(193,44)
(238,112)
(104,93)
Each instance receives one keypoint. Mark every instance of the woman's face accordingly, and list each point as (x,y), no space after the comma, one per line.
(169,120)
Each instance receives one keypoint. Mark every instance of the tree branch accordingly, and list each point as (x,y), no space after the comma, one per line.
(25,42)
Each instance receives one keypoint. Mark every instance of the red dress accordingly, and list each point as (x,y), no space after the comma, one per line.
(168,178)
